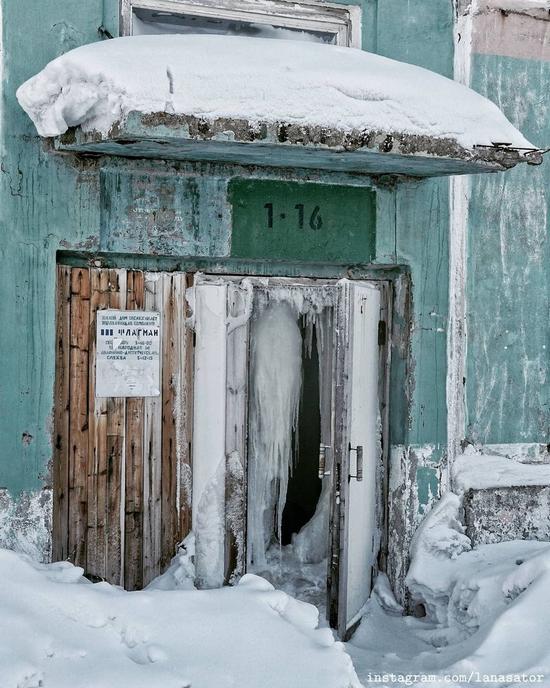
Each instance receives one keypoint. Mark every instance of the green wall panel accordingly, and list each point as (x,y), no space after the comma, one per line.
(309,222)
(508,293)
(163,213)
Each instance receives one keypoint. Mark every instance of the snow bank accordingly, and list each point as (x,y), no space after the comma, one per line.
(488,612)
(481,471)
(438,541)
(61,631)
(258,80)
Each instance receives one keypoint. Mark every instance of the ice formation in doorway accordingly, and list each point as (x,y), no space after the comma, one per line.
(276,380)
(285,320)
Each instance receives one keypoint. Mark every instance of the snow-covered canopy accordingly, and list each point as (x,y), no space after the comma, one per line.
(257,80)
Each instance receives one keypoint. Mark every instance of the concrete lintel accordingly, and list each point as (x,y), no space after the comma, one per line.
(185,137)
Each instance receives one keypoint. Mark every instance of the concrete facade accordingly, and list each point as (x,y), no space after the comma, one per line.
(474,340)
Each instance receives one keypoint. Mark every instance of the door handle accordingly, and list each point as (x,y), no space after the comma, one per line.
(323,449)
(358,462)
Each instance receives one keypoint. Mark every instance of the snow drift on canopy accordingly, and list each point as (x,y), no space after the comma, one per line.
(257,80)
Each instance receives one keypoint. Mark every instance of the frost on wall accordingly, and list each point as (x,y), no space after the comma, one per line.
(415,480)
(235,510)
(507,513)
(508,366)
(209,532)
(26,523)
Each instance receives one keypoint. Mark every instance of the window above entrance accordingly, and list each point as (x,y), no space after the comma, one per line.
(303,21)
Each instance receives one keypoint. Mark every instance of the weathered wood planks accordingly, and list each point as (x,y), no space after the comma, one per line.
(236,437)
(78,415)
(61,439)
(116,425)
(121,469)
(97,439)
(175,438)
(134,444)
(152,443)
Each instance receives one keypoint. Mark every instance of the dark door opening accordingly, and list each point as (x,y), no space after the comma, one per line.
(289,418)
(304,485)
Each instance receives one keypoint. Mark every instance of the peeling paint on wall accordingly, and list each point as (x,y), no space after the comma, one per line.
(508,286)
(53,202)
(416,474)
(459,198)
(507,513)
(520,32)
(163,213)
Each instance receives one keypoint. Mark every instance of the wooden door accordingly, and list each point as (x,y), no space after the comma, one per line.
(122,466)
(359,465)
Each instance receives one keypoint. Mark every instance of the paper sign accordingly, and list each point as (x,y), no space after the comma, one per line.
(128,354)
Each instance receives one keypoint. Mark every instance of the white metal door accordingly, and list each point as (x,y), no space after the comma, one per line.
(359,315)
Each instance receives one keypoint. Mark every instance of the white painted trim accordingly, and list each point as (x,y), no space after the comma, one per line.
(309,15)
(209,431)
(459,196)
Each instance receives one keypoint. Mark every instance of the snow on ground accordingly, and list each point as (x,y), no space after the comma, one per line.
(60,631)
(487,613)
(487,622)
(472,469)
(259,80)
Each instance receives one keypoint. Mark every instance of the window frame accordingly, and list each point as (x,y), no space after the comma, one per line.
(343,21)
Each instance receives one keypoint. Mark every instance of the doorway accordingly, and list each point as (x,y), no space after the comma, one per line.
(289,458)
(289,430)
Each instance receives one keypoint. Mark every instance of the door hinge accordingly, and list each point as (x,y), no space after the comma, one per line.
(323,449)
(382,329)
(359,462)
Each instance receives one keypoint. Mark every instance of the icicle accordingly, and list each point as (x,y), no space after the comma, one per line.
(276,380)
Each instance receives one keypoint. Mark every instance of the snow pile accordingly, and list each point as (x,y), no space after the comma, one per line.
(488,612)
(258,80)
(180,575)
(437,543)
(481,471)
(307,581)
(60,631)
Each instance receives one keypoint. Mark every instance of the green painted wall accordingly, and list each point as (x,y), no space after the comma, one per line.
(420,33)
(51,202)
(508,296)
(43,203)
(306,222)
